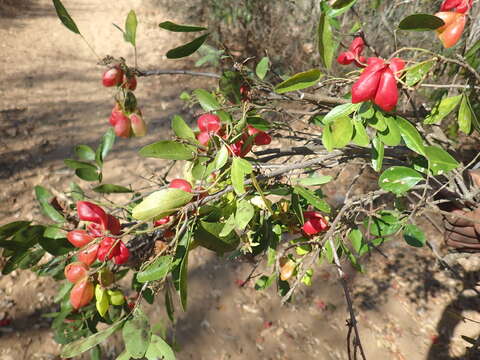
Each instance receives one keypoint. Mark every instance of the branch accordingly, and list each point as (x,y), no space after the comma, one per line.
(176,72)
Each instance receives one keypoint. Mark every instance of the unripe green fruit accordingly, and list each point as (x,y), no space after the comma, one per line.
(116,297)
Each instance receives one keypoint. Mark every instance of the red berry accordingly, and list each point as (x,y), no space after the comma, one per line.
(181,184)
(209,123)
(76,271)
(79,238)
(81,294)
(314,223)
(240,149)
(203,138)
(112,77)
(91,212)
(129,83)
(123,126)
(106,251)
(162,221)
(123,254)
(139,127)
(89,255)
(113,225)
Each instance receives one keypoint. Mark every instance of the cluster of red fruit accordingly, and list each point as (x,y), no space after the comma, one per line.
(378,81)
(314,223)
(211,125)
(453,13)
(100,225)
(125,123)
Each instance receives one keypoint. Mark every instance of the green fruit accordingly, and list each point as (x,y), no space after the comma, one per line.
(116,297)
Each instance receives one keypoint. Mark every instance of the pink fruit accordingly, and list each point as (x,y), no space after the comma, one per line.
(139,127)
(181,184)
(81,294)
(76,271)
(203,138)
(79,238)
(112,77)
(209,123)
(314,223)
(89,255)
(91,212)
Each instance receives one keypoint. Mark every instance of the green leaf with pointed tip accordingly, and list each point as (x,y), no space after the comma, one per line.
(342,131)
(187,49)
(399,179)
(378,151)
(391,136)
(181,129)
(340,111)
(10,229)
(87,174)
(207,101)
(159,349)
(440,160)
(416,73)
(161,203)
(240,168)
(360,136)
(262,68)
(299,81)
(131,28)
(465,116)
(243,215)
(410,135)
(44,197)
(327,138)
(170,26)
(74,164)
(111,189)
(315,180)
(106,144)
(170,150)
(157,270)
(65,17)
(85,153)
(101,300)
(207,234)
(421,22)
(80,346)
(312,199)
(443,108)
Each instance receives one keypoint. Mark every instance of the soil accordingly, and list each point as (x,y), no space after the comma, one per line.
(51,98)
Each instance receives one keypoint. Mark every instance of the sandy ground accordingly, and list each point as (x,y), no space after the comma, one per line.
(51,98)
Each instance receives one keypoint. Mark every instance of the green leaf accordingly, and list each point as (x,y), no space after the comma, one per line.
(220,159)
(384,224)
(170,150)
(181,129)
(315,180)
(243,215)
(180,268)
(312,199)
(440,160)
(471,56)
(445,107)
(157,270)
(111,188)
(161,203)
(421,22)
(169,304)
(85,153)
(10,229)
(137,334)
(207,101)
(360,136)
(326,45)
(377,154)
(106,144)
(299,81)
(187,49)
(79,346)
(417,72)
(410,135)
(262,68)
(342,131)
(64,17)
(258,123)
(76,192)
(414,236)
(101,300)
(87,174)
(170,26)
(399,179)
(378,121)
(343,3)
(340,111)
(240,168)
(44,197)
(465,116)
(207,234)
(327,138)
(55,242)
(391,136)
(264,282)
(340,7)
(356,237)
(159,349)
(74,164)
(131,28)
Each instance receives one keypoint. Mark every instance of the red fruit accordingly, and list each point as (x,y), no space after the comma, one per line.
(451,32)
(357,45)
(95,230)
(162,221)
(448,18)
(81,294)
(353,53)
(113,225)
(345,58)
(112,77)
(79,238)
(460,6)
(240,149)
(76,271)
(366,86)
(262,138)
(314,223)
(209,123)
(123,254)
(139,127)
(106,248)
(181,184)
(387,93)
(89,255)
(91,212)
(203,138)
(129,83)
(116,114)
(396,65)
(122,126)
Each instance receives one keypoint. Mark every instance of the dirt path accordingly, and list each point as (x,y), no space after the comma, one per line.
(51,98)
